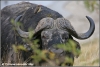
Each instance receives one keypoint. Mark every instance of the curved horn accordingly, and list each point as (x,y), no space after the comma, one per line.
(20,32)
(43,24)
(66,25)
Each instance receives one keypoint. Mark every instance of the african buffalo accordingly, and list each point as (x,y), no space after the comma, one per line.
(50,27)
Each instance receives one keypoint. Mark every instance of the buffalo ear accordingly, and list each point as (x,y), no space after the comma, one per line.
(78,48)
(74,46)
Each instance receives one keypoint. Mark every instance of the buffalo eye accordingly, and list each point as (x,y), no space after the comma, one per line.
(45,36)
(65,36)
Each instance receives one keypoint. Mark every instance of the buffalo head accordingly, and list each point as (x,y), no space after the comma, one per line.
(55,31)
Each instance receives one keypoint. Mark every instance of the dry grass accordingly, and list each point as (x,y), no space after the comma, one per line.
(89,55)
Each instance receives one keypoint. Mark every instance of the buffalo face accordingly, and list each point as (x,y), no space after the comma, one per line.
(52,37)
